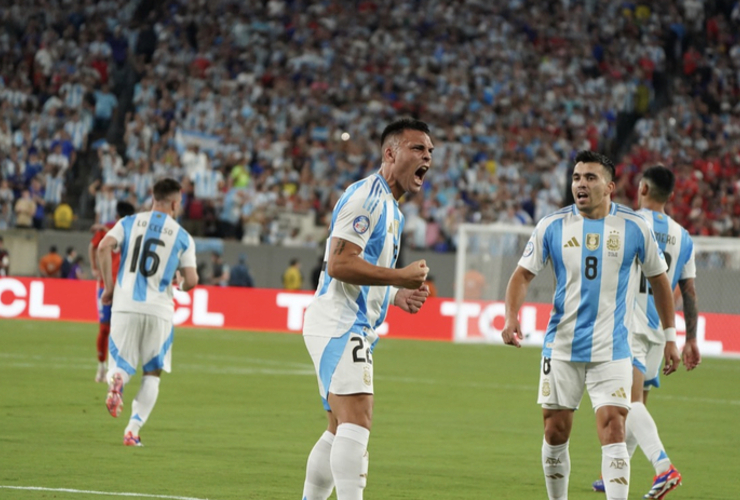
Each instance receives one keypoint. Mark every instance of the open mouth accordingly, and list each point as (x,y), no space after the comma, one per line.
(582,196)
(420,173)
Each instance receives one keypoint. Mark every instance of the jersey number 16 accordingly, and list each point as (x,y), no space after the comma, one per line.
(149,253)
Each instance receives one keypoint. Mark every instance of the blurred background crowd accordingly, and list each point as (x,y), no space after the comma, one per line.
(267,110)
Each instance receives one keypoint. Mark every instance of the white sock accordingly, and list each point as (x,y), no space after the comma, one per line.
(143,403)
(102,365)
(630,440)
(319,481)
(641,424)
(615,469)
(349,461)
(556,464)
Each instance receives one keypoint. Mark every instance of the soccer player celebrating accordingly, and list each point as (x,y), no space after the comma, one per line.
(153,248)
(591,246)
(123,209)
(357,285)
(648,340)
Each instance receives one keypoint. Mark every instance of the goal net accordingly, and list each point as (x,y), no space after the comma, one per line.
(488,254)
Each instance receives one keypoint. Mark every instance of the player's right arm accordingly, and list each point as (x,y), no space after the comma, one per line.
(105,262)
(347,265)
(516,292)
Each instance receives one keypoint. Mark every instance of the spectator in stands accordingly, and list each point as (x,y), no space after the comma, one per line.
(75,271)
(219,270)
(68,262)
(4,259)
(50,265)
(240,275)
(292,277)
(106,104)
(25,209)
(63,216)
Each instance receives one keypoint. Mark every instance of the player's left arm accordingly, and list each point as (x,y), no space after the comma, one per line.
(663,295)
(410,300)
(690,356)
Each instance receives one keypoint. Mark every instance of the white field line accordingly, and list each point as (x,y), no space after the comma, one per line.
(300,369)
(90,492)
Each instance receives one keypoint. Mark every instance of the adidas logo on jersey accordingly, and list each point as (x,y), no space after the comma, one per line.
(572,243)
(555,476)
(619,393)
(619,480)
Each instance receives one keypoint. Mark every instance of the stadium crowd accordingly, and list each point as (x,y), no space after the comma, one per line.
(264,108)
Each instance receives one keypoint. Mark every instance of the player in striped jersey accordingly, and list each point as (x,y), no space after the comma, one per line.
(123,209)
(358,284)
(153,249)
(591,246)
(648,340)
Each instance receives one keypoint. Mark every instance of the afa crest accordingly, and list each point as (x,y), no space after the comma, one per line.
(612,243)
(593,240)
(546,387)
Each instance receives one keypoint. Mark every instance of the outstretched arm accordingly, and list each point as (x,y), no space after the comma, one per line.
(690,356)
(516,292)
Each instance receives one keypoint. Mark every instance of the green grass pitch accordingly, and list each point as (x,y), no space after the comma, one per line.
(240,412)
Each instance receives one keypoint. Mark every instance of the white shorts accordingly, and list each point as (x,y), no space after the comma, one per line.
(344,365)
(138,337)
(562,383)
(647,357)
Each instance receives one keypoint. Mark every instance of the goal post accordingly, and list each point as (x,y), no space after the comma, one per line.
(487,254)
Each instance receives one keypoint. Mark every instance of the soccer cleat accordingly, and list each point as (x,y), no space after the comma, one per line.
(114,401)
(130,440)
(598,485)
(100,377)
(664,483)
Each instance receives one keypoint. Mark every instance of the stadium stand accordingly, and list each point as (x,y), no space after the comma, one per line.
(267,110)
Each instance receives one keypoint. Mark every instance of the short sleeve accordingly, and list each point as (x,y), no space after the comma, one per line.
(117,233)
(535,252)
(187,259)
(653,262)
(354,221)
(689,269)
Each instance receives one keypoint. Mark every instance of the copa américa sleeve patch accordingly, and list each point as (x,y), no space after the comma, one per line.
(528,249)
(361,224)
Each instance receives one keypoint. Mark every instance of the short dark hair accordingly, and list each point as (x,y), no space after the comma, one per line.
(124,209)
(53,249)
(587,156)
(661,180)
(164,188)
(398,126)
(70,250)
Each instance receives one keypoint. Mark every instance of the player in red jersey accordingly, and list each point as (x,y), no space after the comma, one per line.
(123,209)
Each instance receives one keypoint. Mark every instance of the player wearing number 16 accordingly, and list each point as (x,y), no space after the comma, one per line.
(153,249)
(591,247)
(358,284)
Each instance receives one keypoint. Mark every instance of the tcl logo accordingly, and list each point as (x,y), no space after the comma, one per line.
(198,311)
(15,299)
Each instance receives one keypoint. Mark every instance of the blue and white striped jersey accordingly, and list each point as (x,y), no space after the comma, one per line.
(592,261)
(153,246)
(367,215)
(678,249)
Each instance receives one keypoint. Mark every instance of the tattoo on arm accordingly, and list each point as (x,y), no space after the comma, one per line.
(340,247)
(690,312)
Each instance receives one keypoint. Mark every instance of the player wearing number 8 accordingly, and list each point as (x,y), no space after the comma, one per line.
(591,247)
(153,249)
